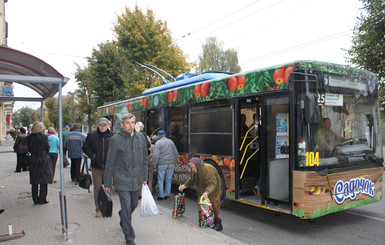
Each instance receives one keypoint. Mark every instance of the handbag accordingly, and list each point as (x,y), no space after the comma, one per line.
(148,206)
(105,202)
(85,178)
(179,206)
(206,212)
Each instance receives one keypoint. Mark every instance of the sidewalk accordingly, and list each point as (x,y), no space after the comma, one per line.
(42,223)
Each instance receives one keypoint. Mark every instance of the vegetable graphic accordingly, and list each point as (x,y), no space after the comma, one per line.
(98,113)
(205,89)
(174,95)
(129,106)
(197,91)
(112,109)
(241,82)
(278,75)
(288,70)
(169,96)
(144,102)
(232,83)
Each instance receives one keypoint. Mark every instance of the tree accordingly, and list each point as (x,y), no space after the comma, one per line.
(368,50)
(25,116)
(52,106)
(85,94)
(214,57)
(143,39)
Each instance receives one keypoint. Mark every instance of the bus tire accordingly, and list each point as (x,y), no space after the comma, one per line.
(223,183)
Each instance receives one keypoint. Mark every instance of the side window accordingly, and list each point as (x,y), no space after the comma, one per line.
(176,130)
(208,128)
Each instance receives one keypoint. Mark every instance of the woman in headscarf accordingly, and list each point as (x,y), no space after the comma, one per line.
(39,172)
(208,184)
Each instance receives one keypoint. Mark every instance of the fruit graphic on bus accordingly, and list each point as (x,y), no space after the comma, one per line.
(129,106)
(241,81)
(197,91)
(112,109)
(227,161)
(232,83)
(169,96)
(98,113)
(174,95)
(205,89)
(144,102)
(232,165)
(278,75)
(288,70)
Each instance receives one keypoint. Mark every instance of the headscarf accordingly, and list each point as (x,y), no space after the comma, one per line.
(197,163)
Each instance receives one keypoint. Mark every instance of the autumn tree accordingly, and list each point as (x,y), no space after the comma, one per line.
(143,39)
(368,50)
(214,57)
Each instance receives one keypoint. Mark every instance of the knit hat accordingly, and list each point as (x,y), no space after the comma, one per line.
(103,120)
(197,163)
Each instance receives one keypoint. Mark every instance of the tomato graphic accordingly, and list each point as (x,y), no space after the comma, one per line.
(169,96)
(288,70)
(205,88)
(98,113)
(241,81)
(278,75)
(232,83)
(112,109)
(174,95)
(129,106)
(197,91)
(144,102)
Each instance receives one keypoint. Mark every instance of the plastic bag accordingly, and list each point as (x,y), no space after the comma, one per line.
(148,206)
(179,206)
(206,212)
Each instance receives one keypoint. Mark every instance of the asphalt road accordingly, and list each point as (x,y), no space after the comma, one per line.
(252,225)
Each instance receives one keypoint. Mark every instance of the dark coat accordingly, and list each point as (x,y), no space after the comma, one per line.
(20,145)
(96,147)
(127,161)
(38,146)
(209,181)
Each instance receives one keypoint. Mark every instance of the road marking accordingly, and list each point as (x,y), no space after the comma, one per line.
(367,216)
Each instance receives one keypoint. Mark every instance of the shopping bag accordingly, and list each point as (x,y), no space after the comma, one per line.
(105,202)
(148,206)
(206,212)
(85,178)
(179,206)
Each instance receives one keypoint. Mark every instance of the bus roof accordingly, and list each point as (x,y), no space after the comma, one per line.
(180,83)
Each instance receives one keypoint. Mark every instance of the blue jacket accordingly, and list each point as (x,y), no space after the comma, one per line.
(53,141)
(74,143)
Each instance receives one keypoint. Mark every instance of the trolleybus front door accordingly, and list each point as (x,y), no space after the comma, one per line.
(275,142)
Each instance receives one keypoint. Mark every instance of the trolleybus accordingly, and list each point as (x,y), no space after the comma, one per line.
(284,108)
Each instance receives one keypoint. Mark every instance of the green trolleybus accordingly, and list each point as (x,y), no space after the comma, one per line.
(267,126)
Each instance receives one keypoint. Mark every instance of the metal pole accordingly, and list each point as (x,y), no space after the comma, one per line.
(62,197)
(42,111)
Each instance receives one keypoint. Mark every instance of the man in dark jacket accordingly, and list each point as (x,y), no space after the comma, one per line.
(96,148)
(74,144)
(127,164)
(21,149)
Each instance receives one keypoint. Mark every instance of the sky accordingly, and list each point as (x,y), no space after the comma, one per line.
(63,33)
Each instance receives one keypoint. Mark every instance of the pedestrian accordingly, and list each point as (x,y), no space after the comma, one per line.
(53,141)
(21,149)
(74,144)
(139,126)
(208,183)
(64,135)
(96,148)
(164,158)
(127,165)
(39,172)
(150,168)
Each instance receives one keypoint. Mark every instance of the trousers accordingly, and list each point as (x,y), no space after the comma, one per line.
(128,203)
(165,172)
(97,178)
(75,168)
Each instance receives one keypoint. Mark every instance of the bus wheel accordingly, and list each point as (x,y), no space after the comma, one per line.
(223,183)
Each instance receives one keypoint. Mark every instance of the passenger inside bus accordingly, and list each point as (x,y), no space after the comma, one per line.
(326,139)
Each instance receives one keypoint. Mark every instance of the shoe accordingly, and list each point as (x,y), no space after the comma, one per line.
(166,197)
(17,171)
(42,203)
(159,198)
(98,214)
(76,182)
(54,181)
(1,211)
(217,224)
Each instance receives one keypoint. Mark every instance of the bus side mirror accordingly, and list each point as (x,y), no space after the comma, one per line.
(311,112)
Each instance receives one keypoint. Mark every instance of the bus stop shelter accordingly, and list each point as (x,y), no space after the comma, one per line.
(22,68)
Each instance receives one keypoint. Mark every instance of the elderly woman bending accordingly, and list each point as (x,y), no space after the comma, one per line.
(208,184)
